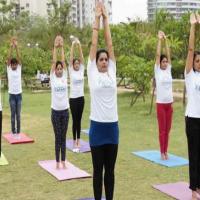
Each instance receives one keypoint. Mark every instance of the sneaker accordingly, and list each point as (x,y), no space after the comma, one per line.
(77,150)
(74,150)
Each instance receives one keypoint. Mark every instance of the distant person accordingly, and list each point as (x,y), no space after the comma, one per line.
(192,114)
(164,94)
(104,131)
(14,71)
(44,78)
(59,102)
(76,72)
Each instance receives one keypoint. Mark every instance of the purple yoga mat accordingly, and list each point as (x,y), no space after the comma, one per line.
(179,191)
(71,172)
(85,147)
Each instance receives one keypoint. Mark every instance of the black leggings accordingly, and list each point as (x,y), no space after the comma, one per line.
(60,121)
(76,106)
(193,137)
(104,157)
(0,130)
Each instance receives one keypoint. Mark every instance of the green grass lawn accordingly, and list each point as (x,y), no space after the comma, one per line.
(23,179)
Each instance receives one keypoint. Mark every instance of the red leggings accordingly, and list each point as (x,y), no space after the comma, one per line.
(164,116)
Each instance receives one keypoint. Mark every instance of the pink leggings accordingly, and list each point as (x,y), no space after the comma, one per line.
(164,116)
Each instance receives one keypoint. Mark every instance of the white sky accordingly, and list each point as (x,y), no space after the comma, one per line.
(129,8)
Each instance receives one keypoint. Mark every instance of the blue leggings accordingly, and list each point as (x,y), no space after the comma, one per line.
(15,101)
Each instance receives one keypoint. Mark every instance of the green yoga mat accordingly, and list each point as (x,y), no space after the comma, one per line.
(3,160)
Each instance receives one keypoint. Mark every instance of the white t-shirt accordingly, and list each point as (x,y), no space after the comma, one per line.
(192,82)
(163,79)
(59,91)
(14,80)
(76,82)
(103,92)
(42,77)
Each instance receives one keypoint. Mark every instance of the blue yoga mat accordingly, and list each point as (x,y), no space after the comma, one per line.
(86,131)
(154,156)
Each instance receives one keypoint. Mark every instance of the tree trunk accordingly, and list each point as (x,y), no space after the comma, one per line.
(133,101)
(119,83)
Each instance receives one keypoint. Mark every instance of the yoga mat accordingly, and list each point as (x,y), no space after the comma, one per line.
(23,138)
(86,131)
(154,156)
(3,160)
(85,147)
(179,190)
(72,172)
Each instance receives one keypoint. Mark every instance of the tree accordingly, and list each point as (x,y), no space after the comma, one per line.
(6,21)
(140,73)
(59,16)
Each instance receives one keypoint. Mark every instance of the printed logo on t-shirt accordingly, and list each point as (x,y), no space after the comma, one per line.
(60,89)
(105,82)
(166,82)
(78,81)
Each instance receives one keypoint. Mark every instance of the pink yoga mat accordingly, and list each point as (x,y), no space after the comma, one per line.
(72,172)
(179,190)
(23,138)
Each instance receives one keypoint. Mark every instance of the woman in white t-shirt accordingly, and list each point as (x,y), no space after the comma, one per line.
(14,70)
(104,131)
(59,102)
(164,94)
(192,114)
(76,73)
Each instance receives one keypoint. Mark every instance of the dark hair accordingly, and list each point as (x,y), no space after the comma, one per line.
(162,56)
(13,61)
(99,52)
(76,59)
(59,63)
(196,53)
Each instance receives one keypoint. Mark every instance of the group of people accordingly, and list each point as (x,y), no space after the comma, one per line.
(101,72)
(104,130)
(43,77)
(164,100)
